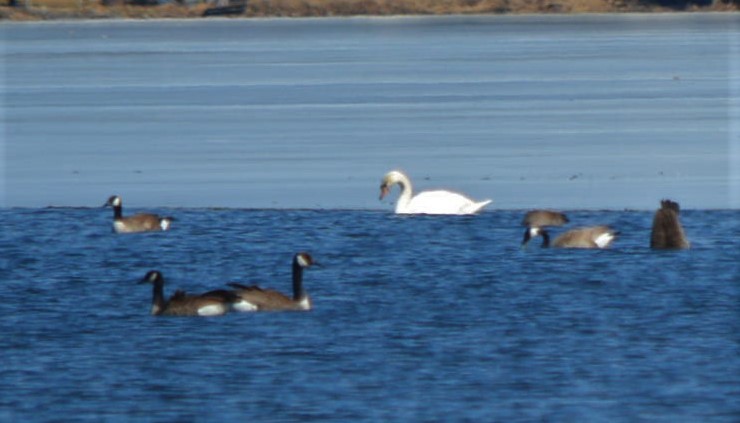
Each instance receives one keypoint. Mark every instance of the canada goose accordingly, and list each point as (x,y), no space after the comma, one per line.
(144,222)
(667,231)
(534,220)
(588,237)
(427,202)
(212,303)
(254,298)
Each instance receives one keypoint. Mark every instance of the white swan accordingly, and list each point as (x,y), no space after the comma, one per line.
(427,202)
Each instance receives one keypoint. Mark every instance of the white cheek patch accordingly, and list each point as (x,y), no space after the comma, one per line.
(212,310)
(244,306)
(165,223)
(116,202)
(302,261)
(534,231)
(604,240)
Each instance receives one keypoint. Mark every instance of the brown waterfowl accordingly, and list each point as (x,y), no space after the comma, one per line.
(586,237)
(538,218)
(254,298)
(212,303)
(667,232)
(144,222)
(535,220)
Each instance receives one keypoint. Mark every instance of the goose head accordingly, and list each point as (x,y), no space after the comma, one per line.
(113,201)
(153,277)
(304,260)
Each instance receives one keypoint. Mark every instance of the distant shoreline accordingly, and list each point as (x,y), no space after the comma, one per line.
(38,10)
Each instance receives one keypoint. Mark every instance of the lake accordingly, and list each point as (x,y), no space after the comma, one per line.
(415,319)
(600,111)
(268,137)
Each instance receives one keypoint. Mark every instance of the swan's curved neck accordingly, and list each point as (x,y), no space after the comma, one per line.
(406,193)
(298,292)
(158,297)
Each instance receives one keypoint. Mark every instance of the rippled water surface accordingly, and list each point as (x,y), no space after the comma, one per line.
(416,319)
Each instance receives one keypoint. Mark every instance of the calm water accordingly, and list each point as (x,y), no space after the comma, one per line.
(551,111)
(416,319)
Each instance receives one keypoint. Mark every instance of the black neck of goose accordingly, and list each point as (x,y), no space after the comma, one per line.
(298,292)
(158,297)
(527,237)
(117,212)
(545,238)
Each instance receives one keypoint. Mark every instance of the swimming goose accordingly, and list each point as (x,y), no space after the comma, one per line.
(144,222)
(588,237)
(544,218)
(212,303)
(254,298)
(667,231)
(536,219)
(427,202)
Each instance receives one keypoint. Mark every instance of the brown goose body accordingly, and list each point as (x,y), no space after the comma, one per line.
(588,237)
(540,218)
(212,303)
(536,220)
(143,222)
(667,232)
(254,298)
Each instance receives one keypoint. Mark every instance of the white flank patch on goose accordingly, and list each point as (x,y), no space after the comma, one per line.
(604,239)
(244,306)
(211,310)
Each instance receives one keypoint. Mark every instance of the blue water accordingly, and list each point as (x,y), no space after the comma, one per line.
(267,137)
(415,319)
(594,111)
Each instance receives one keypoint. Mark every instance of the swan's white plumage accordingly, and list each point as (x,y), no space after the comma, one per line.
(428,202)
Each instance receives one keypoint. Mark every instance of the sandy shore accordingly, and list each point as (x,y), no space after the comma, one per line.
(85,9)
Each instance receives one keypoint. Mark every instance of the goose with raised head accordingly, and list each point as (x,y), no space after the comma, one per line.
(212,303)
(254,298)
(427,202)
(143,222)
(587,237)
(535,220)
(667,232)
